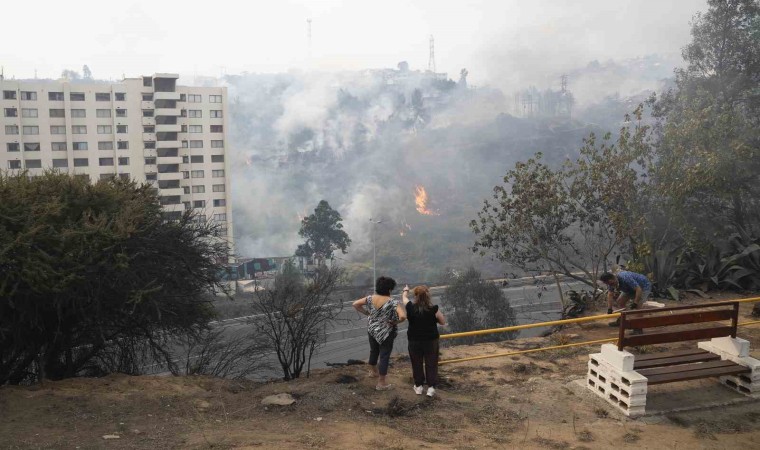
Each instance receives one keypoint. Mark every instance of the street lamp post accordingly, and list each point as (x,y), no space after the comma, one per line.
(374,255)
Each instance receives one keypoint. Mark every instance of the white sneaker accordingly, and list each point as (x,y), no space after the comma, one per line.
(418,389)
(431,391)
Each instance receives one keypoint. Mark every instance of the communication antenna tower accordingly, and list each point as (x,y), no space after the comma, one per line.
(431,59)
(564,83)
(308,34)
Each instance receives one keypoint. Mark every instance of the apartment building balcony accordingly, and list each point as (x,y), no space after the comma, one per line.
(177,191)
(148,120)
(150,168)
(166,96)
(169,112)
(147,104)
(168,128)
(169,160)
(169,176)
(168,144)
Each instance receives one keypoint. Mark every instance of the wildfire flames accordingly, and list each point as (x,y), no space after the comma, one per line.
(421,199)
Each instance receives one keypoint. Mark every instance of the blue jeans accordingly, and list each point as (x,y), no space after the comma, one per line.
(381,352)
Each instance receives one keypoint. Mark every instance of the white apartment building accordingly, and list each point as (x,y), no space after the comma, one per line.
(148,129)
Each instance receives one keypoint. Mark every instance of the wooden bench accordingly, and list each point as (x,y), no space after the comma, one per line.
(622,378)
(685,365)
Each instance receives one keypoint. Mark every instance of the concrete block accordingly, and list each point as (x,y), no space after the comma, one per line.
(620,360)
(732,346)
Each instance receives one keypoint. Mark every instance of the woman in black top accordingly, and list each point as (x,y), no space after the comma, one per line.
(422,335)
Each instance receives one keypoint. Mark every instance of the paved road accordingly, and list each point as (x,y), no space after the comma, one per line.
(347,339)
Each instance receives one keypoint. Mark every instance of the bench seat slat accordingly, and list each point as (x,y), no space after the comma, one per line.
(661,355)
(685,367)
(695,358)
(696,374)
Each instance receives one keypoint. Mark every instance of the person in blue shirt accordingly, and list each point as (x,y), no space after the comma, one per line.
(633,287)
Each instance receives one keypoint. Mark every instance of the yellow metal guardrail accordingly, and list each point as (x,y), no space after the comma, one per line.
(552,323)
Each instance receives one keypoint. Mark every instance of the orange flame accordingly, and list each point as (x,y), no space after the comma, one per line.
(421,199)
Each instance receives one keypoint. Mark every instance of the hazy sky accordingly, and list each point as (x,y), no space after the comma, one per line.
(490,38)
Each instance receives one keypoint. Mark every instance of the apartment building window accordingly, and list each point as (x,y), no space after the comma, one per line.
(217,158)
(55,96)
(216,113)
(58,146)
(199,204)
(215,99)
(196,159)
(13,146)
(183,129)
(220,202)
(11,129)
(184,144)
(121,112)
(102,96)
(79,145)
(149,129)
(217,173)
(124,176)
(197,174)
(122,145)
(150,144)
(57,113)
(107,176)
(16,164)
(196,144)
(76,96)
(147,81)
(33,163)
(79,129)
(60,163)
(57,129)
(195,113)
(121,129)
(28,95)
(182,97)
(151,177)
(185,159)
(105,129)
(148,112)
(123,161)
(147,97)
(120,96)
(81,162)
(191,98)
(196,128)
(105,145)
(217,128)
(217,188)
(199,189)
(78,113)
(150,161)
(9,95)
(105,161)
(103,113)
(220,217)
(10,112)
(29,113)
(31,146)
(185,174)
(185,190)
(30,129)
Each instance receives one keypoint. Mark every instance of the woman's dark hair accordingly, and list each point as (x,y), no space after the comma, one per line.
(384,285)
(422,294)
(606,277)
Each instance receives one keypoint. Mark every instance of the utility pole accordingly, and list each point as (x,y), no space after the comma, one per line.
(374,254)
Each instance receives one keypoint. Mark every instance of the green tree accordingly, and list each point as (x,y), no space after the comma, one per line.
(708,134)
(94,279)
(324,233)
(472,303)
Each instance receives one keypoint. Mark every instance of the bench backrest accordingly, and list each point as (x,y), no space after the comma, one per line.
(678,315)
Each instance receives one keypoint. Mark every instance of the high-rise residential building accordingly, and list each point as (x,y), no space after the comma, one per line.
(148,129)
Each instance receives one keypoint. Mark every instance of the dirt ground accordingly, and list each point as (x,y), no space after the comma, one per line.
(508,402)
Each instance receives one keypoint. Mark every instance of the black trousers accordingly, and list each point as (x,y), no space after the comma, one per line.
(381,351)
(424,352)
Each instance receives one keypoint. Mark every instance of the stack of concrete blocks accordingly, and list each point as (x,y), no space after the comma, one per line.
(611,376)
(737,351)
